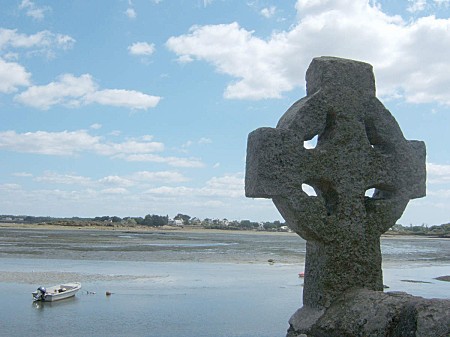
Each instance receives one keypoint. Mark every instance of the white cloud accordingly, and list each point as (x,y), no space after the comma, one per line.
(228,186)
(9,187)
(22,174)
(268,12)
(67,90)
(65,179)
(116,133)
(43,41)
(138,179)
(127,147)
(185,59)
(416,5)
(123,98)
(12,75)
(205,140)
(117,190)
(201,141)
(445,3)
(166,176)
(130,13)
(49,143)
(438,173)
(409,56)
(32,10)
(73,91)
(234,51)
(96,126)
(70,143)
(171,161)
(10,56)
(141,49)
(67,143)
(116,180)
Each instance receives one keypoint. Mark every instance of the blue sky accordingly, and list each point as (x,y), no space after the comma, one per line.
(135,107)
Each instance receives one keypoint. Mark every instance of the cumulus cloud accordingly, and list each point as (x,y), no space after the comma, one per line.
(409,56)
(73,91)
(236,52)
(12,75)
(141,49)
(43,41)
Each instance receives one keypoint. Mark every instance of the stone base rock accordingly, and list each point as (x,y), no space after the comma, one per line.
(369,313)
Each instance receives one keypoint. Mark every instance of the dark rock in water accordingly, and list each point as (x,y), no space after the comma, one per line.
(369,313)
(443,278)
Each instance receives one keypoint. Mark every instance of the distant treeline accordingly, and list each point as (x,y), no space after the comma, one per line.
(436,230)
(153,220)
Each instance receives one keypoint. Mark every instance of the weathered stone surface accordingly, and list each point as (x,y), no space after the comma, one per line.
(360,146)
(368,313)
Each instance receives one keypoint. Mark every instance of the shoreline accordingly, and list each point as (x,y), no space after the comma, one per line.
(182,229)
(138,229)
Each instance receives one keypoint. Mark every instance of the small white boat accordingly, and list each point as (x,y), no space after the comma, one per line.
(56,293)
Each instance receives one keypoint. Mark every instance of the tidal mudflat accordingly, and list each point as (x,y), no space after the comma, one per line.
(179,283)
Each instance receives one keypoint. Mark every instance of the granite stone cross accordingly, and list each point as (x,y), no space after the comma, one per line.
(360,147)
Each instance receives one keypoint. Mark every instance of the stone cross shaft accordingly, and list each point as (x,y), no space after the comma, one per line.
(360,147)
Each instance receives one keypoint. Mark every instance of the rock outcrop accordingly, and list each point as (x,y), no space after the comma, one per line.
(368,313)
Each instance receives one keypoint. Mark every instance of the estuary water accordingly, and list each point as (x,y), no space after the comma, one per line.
(179,283)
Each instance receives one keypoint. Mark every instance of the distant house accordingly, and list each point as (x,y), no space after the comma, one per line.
(176,222)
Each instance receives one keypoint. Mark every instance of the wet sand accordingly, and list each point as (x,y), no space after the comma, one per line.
(139,229)
(179,281)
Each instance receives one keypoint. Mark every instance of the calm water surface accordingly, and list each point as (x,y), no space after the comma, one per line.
(179,284)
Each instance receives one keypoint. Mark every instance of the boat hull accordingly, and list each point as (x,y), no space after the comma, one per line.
(57,293)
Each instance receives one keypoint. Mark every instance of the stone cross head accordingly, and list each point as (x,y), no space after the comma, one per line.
(360,147)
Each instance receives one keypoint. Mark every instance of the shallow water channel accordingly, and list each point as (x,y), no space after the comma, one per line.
(179,283)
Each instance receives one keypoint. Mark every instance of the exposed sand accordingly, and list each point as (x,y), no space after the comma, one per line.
(121,228)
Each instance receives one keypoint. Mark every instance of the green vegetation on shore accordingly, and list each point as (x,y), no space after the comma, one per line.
(152,220)
(436,230)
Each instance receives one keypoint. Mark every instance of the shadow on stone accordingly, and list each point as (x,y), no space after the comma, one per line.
(372,313)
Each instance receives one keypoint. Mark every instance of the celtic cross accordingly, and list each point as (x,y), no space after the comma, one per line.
(360,147)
